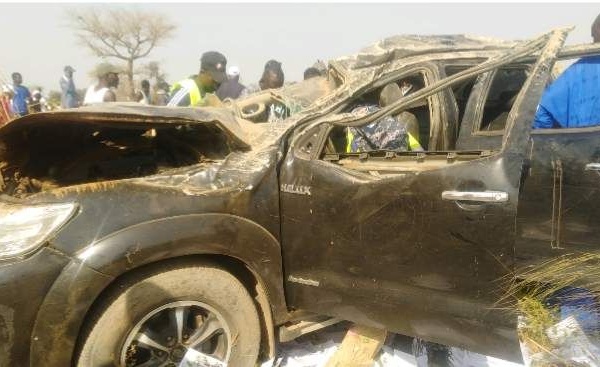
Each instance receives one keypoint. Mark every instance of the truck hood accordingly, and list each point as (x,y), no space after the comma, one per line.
(120,141)
(134,115)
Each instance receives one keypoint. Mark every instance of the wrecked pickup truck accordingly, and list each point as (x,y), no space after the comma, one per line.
(132,235)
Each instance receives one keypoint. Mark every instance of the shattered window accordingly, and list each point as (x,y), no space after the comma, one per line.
(503,91)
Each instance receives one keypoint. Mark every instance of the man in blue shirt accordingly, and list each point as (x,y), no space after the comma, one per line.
(573,99)
(21,98)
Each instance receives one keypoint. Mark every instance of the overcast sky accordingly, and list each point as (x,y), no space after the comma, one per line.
(36,41)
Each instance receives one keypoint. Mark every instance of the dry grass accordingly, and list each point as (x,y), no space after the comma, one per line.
(538,318)
(529,289)
(545,279)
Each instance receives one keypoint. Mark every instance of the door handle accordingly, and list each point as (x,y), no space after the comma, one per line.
(592,167)
(479,196)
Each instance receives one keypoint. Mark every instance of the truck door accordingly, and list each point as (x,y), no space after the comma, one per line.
(413,242)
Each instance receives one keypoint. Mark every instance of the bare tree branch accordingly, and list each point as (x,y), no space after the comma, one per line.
(123,34)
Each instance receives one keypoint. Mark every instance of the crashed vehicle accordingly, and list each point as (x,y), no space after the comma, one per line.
(154,236)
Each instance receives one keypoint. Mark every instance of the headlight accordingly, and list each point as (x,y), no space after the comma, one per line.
(23,229)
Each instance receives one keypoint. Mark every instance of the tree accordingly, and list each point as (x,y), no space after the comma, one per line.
(128,35)
(153,71)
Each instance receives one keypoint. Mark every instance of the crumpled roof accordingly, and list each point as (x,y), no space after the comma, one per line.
(402,46)
(135,114)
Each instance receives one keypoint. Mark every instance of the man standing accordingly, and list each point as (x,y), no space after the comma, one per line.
(232,88)
(191,92)
(143,95)
(68,98)
(573,99)
(104,90)
(38,102)
(21,96)
(311,72)
(162,94)
(273,78)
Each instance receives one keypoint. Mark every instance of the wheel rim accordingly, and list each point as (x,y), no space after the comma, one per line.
(168,334)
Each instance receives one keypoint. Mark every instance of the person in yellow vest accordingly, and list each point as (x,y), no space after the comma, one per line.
(395,133)
(192,92)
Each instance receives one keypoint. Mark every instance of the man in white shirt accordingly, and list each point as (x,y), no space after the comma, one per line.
(104,90)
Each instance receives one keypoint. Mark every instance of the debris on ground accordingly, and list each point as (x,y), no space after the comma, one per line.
(359,347)
(570,347)
(317,349)
(559,322)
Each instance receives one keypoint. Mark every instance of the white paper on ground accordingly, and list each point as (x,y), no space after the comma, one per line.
(465,358)
(193,358)
(572,343)
(296,354)
(394,358)
(307,354)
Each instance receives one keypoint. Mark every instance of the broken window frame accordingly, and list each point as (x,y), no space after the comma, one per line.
(482,98)
(518,129)
(428,70)
(525,50)
(428,74)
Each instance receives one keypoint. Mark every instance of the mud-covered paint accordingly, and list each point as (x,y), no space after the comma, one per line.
(7,334)
(23,287)
(385,251)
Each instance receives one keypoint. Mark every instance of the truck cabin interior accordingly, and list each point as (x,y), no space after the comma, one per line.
(497,99)
(54,154)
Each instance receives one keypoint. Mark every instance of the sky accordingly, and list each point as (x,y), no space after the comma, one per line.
(38,43)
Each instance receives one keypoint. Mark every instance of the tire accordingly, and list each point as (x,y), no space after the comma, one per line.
(153,296)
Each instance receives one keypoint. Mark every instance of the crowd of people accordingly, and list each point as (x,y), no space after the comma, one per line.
(573,100)
(214,77)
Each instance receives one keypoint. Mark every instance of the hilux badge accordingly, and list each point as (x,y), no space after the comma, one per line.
(296,189)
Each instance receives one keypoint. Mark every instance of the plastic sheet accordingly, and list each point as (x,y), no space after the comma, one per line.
(572,347)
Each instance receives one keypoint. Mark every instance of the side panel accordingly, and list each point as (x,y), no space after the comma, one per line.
(559,211)
(122,225)
(23,286)
(193,235)
(62,313)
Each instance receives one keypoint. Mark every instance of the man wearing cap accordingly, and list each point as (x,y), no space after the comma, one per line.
(192,91)
(104,91)
(68,98)
(232,88)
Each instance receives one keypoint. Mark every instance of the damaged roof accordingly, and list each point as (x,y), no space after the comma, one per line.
(402,46)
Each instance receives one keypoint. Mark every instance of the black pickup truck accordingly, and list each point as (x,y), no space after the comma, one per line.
(131,235)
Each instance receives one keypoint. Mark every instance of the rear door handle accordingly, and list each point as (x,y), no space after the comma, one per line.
(592,167)
(479,196)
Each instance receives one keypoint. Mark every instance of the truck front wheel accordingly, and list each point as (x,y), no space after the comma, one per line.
(202,314)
